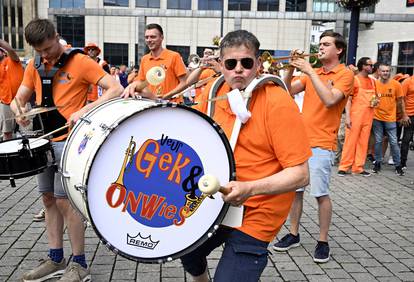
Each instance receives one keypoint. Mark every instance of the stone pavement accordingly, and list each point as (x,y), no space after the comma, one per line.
(371,236)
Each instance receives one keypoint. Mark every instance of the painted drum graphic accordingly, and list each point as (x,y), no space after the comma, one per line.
(131,167)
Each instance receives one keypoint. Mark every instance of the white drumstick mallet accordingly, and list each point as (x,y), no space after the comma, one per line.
(209,185)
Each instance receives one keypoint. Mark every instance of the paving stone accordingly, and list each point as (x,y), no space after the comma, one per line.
(337,273)
(379,271)
(363,277)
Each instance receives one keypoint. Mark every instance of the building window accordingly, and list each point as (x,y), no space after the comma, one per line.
(295,5)
(183,50)
(242,5)
(210,4)
(268,5)
(385,53)
(116,53)
(119,3)
(66,3)
(325,6)
(406,57)
(147,3)
(72,29)
(179,4)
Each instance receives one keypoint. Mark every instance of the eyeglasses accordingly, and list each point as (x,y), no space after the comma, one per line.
(371,65)
(247,63)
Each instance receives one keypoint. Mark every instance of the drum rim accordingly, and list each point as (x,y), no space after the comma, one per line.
(217,221)
(39,148)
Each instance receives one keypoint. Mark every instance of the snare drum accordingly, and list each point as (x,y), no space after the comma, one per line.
(131,168)
(18,161)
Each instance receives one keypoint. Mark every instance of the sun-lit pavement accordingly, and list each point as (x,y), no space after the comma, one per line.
(371,238)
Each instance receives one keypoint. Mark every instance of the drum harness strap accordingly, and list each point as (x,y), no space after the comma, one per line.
(257,82)
(53,119)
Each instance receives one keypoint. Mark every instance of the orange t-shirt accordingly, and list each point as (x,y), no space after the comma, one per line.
(408,92)
(174,68)
(322,123)
(388,94)
(70,84)
(273,138)
(11,75)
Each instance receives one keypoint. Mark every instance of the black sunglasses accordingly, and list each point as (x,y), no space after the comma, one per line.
(247,63)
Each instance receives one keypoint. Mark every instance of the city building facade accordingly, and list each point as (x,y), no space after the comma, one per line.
(118,26)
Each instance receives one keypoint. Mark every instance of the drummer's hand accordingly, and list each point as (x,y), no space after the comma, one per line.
(75,117)
(130,91)
(22,121)
(239,193)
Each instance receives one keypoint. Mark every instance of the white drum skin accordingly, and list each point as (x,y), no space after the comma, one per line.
(131,166)
(209,184)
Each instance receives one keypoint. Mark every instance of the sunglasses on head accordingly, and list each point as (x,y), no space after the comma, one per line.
(247,63)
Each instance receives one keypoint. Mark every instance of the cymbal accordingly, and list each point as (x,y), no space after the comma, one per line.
(35,111)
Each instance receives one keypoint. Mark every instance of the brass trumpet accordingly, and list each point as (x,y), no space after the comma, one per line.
(273,64)
(196,61)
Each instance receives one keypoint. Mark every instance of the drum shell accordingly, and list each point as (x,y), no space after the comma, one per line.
(22,164)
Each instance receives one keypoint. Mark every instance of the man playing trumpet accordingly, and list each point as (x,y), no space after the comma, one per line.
(326,90)
(170,61)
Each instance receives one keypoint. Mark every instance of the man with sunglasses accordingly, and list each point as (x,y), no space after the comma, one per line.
(92,50)
(271,156)
(359,116)
(326,91)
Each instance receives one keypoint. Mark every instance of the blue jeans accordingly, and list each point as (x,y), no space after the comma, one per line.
(243,259)
(391,129)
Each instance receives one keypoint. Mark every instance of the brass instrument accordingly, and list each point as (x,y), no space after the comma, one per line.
(273,65)
(196,61)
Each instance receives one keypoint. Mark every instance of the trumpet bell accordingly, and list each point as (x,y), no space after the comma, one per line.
(155,76)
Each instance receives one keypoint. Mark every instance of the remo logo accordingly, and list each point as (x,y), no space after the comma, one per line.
(157,185)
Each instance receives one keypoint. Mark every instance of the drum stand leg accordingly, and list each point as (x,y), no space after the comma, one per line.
(12,183)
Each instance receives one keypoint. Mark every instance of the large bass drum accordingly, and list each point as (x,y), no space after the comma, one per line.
(131,168)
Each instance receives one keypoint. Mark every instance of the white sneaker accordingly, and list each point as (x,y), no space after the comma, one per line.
(390,161)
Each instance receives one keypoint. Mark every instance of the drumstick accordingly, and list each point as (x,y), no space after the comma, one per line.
(50,133)
(18,106)
(209,185)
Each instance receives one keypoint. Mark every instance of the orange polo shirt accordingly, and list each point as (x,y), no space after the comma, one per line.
(322,123)
(273,138)
(388,94)
(11,75)
(408,92)
(174,68)
(70,84)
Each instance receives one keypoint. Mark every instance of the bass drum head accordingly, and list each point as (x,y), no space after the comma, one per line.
(143,199)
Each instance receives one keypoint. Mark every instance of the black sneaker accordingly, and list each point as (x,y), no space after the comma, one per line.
(364,173)
(399,171)
(321,252)
(287,242)
(376,168)
(341,173)
(370,157)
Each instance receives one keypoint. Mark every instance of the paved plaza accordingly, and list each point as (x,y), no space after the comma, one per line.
(371,237)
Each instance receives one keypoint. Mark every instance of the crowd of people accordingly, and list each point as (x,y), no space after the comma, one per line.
(279,150)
